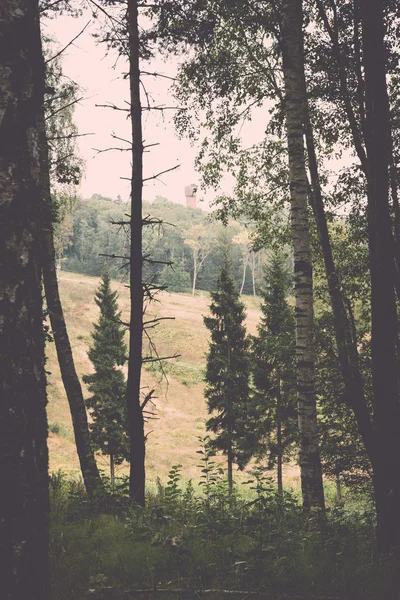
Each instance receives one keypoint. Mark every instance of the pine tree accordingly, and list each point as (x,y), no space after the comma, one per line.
(107,383)
(273,368)
(227,374)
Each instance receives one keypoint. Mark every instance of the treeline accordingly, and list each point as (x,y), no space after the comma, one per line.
(183,249)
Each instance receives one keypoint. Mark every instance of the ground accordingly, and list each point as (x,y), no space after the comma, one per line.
(180,406)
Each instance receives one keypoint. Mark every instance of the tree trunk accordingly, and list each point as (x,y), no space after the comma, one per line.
(135,415)
(253,272)
(382,266)
(345,340)
(245,261)
(230,470)
(112,472)
(24,502)
(293,68)
(279,439)
(194,273)
(339,497)
(72,386)
(73,389)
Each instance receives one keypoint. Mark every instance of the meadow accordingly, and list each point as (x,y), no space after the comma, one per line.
(180,410)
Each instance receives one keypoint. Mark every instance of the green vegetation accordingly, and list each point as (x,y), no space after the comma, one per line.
(193,541)
(273,369)
(107,384)
(187,239)
(228,374)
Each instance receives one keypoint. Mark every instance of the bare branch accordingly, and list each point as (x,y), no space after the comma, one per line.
(152,359)
(158,75)
(69,44)
(99,151)
(66,137)
(113,106)
(63,108)
(161,108)
(158,319)
(161,173)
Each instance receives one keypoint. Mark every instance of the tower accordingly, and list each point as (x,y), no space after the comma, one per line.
(190,193)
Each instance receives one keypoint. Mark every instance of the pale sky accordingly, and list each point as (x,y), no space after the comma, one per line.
(86,63)
(100,78)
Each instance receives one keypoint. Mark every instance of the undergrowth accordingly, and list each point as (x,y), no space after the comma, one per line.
(182,539)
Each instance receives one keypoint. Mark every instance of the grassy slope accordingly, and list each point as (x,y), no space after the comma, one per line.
(181,409)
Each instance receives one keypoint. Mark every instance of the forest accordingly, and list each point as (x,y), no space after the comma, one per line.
(268,325)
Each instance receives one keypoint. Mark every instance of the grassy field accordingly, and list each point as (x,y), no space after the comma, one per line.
(180,407)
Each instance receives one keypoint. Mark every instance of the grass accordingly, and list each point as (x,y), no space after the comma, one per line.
(181,409)
(190,541)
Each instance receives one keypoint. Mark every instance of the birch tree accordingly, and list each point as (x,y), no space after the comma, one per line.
(202,242)
(293,69)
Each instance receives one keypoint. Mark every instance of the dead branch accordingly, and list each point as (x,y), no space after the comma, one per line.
(69,43)
(112,106)
(161,173)
(66,137)
(158,75)
(152,359)
(100,151)
(161,108)
(63,108)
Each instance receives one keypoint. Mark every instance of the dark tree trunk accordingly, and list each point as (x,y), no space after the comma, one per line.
(293,69)
(339,497)
(72,386)
(73,389)
(345,340)
(135,416)
(24,503)
(382,266)
(230,470)
(112,472)
(279,437)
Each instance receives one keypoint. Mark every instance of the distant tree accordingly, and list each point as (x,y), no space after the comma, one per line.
(274,367)
(227,374)
(202,241)
(107,383)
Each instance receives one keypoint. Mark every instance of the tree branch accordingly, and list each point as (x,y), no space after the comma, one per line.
(69,44)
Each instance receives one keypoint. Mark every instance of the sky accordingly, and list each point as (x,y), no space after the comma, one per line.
(101,80)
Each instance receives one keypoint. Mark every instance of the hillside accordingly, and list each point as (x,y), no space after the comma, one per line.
(181,408)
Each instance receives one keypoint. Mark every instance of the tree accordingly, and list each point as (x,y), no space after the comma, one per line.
(202,241)
(134,410)
(107,383)
(66,171)
(242,240)
(339,44)
(273,367)
(227,374)
(295,103)
(24,502)
(384,319)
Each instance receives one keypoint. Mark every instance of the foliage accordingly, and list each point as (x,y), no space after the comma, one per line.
(227,373)
(258,542)
(273,365)
(94,234)
(66,166)
(107,383)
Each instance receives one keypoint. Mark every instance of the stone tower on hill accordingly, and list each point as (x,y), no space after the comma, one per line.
(190,193)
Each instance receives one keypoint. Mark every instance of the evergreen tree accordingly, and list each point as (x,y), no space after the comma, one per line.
(273,368)
(107,383)
(227,373)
